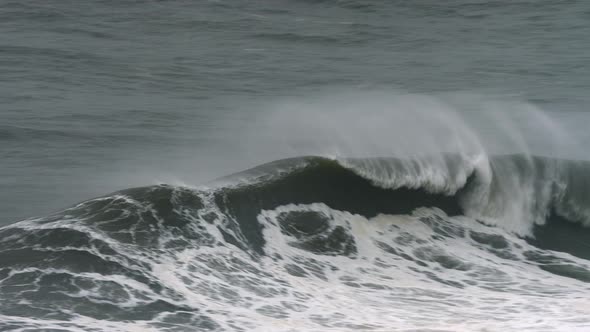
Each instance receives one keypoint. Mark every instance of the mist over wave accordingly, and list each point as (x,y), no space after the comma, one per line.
(435,143)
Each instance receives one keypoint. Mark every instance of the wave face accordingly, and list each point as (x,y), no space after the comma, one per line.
(449,243)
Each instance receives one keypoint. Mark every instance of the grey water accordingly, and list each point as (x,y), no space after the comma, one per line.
(102,95)
(424,161)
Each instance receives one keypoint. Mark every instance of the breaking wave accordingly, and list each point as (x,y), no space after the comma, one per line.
(470,226)
(300,244)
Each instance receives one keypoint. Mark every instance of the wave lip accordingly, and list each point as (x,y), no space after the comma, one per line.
(515,192)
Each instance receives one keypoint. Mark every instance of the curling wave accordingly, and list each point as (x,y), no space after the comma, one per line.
(515,192)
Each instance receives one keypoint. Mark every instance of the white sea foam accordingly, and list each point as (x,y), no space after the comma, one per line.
(424,271)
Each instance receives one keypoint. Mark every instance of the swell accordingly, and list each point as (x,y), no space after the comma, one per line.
(311,39)
(327,181)
(540,198)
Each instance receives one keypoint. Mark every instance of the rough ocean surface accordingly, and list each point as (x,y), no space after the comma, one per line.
(294,165)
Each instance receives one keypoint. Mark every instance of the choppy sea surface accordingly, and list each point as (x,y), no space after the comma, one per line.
(294,165)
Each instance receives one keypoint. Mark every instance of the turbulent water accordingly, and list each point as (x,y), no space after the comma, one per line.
(294,166)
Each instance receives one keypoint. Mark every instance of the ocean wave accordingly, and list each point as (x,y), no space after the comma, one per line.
(302,241)
(517,193)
